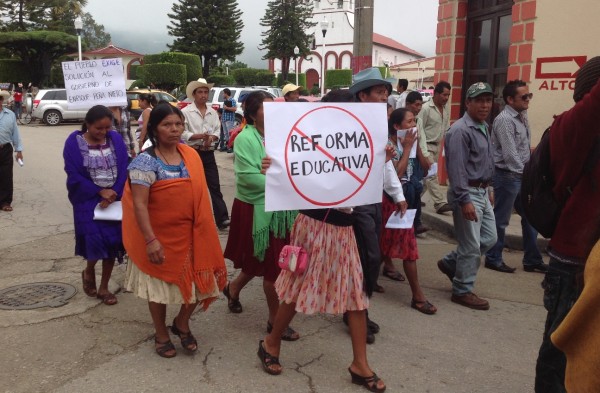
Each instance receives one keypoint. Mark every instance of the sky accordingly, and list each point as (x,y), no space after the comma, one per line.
(141,25)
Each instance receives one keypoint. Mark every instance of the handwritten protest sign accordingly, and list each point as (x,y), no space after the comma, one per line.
(324,154)
(94,82)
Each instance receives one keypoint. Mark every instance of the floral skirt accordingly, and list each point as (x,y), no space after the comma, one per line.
(396,243)
(333,281)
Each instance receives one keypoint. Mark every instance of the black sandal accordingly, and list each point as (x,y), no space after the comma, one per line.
(425,307)
(164,348)
(267,360)
(187,338)
(289,334)
(370,383)
(234,304)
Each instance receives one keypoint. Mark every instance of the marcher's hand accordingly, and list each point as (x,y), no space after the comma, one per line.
(468,212)
(104,203)
(18,155)
(265,164)
(108,194)
(491,196)
(389,152)
(401,207)
(155,252)
(208,140)
(408,140)
(133,153)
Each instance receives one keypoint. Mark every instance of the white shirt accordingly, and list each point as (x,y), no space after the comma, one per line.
(195,123)
(391,183)
(401,100)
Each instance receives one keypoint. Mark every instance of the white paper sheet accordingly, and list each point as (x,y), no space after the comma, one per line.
(401,134)
(405,222)
(432,170)
(114,212)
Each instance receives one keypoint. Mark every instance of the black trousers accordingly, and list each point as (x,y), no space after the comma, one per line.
(6,174)
(367,229)
(214,186)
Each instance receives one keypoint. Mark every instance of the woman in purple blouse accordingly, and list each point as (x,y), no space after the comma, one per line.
(96,166)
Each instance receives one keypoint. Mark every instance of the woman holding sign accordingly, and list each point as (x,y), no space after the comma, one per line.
(96,165)
(402,243)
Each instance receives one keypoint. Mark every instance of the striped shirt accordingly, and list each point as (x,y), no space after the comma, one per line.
(512,140)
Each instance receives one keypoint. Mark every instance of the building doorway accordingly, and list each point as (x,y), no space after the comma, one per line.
(312,79)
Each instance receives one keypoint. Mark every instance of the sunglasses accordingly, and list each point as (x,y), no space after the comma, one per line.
(526,97)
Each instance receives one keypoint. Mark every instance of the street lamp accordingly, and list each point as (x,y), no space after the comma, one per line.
(296,53)
(79,29)
(324,27)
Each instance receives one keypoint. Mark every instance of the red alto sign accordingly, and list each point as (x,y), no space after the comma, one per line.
(558,73)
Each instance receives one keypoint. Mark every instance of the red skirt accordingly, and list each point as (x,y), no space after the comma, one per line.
(396,243)
(240,246)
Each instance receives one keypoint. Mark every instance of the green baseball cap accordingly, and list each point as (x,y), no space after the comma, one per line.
(478,89)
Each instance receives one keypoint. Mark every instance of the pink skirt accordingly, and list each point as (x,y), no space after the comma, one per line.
(333,281)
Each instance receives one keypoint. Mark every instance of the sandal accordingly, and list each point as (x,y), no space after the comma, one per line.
(370,383)
(234,304)
(289,334)
(378,288)
(425,307)
(188,341)
(267,359)
(6,208)
(108,299)
(89,286)
(165,347)
(394,275)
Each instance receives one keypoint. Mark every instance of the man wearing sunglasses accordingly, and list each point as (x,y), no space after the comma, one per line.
(511,138)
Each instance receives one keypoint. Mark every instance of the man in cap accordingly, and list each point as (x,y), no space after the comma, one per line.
(574,154)
(202,130)
(470,170)
(291,92)
(512,148)
(369,86)
(9,141)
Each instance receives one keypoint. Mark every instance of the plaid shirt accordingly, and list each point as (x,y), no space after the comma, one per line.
(228,115)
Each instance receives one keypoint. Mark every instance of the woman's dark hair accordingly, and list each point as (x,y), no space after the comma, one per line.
(150,98)
(397,117)
(339,95)
(96,113)
(253,103)
(158,113)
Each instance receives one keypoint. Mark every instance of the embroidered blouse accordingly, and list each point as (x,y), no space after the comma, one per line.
(100,161)
(146,169)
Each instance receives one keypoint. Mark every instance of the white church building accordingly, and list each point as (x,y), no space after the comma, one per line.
(339,43)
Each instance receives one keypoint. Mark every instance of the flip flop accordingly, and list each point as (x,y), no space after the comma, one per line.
(394,275)
(108,299)
(89,286)
(6,208)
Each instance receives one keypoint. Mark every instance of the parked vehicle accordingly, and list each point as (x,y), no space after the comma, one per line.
(427,94)
(50,105)
(276,91)
(133,95)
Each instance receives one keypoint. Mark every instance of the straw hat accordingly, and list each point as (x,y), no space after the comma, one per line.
(193,85)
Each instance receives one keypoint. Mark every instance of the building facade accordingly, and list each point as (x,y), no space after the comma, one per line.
(334,51)
(419,73)
(541,42)
(111,51)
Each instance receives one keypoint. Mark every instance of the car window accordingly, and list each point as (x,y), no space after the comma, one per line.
(211,94)
(60,95)
(247,92)
(48,96)
(132,96)
(167,97)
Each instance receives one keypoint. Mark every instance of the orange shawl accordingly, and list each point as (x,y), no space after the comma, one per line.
(182,220)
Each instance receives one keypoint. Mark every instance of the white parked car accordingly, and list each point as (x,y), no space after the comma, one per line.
(50,105)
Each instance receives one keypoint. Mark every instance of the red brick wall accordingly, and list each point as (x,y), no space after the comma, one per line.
(521,40)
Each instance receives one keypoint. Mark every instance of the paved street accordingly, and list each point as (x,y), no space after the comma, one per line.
(88,347)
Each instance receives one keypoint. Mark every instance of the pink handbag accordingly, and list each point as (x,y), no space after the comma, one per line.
(295,258)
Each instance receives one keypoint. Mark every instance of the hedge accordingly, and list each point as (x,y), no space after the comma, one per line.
(12,70)
(57,78)
(133,71)
(291,79)
(264,78)
(191,62)
(138,84)
(338,78)
(164,76)
(221,80)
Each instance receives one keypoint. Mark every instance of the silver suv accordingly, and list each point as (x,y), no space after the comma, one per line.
(51,106)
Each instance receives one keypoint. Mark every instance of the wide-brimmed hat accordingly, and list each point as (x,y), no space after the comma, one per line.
(368,78)
(193,85)
(4,94)
(289,88)
(479,88)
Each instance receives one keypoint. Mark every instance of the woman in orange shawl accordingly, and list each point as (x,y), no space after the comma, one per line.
(169,232)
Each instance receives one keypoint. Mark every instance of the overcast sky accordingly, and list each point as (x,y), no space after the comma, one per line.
(141,25)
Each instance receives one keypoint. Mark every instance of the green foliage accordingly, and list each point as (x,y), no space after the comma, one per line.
(264,78)
(138,84)
(245,76)
(221,80)
(38,50)
(190,61)
(291,79)
(133,71)
(287,23)
(207,28)
(165,76)
(57,78)
(338,78)
(315,91)
(93,35)
(12,70)
(237,64)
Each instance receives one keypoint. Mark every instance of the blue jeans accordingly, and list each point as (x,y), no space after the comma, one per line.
(18,105)
(562,286)
(507,194)
(226,126)
(474,238)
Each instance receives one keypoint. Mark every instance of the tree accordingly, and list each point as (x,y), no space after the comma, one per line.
(38,50)
(208,28)
(287,23)
(94,35)
(22,15)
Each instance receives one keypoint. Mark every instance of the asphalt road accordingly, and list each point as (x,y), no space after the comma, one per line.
(88,347)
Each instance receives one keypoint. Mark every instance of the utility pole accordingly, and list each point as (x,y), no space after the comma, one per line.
(363,36)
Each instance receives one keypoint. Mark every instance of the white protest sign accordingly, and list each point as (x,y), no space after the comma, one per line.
(324,154)
(94,82)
